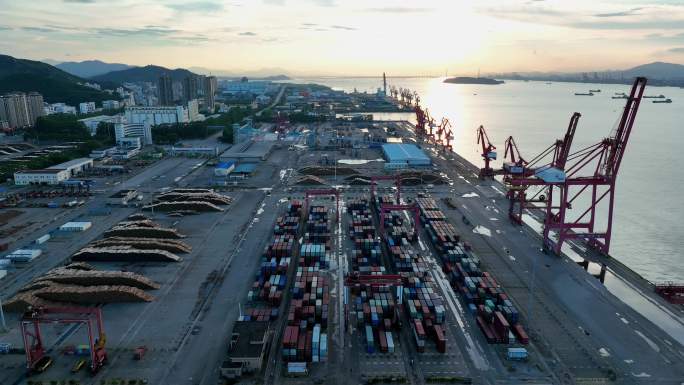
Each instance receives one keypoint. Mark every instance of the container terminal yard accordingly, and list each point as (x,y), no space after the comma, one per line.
(347,252)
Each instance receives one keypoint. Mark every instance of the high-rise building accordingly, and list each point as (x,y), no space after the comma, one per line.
(210,86)
(21,110)
(36,106)
(191,88)
(165,89)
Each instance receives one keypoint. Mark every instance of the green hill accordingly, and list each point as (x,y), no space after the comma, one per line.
(148,73)
(54,84)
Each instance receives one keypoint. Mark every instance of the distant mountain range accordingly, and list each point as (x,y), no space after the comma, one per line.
(54,84)
(90,68)
(658,74)
(149,73)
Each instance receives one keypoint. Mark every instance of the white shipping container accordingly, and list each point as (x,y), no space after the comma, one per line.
(43,239)
(24,254)
(3,274)
(76,226)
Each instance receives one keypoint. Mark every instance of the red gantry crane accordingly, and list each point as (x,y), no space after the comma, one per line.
(566,184)
(488,153)
(33,340)
(397,183)
(324,192)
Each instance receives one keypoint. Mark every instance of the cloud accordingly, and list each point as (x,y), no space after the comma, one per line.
(654,17)
(247,33)
(399,10)
(629,12)
(38,29)
(343,27)
(197,6)
(676,50)
(310,24)
(149,31)
(325,3)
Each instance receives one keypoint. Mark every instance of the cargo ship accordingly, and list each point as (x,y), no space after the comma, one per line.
(661,96)
(584,94)
(663,101)
(594,90)
(620,97)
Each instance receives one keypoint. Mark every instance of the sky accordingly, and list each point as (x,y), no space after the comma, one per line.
(349,37)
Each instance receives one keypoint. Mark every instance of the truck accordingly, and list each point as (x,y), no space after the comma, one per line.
(516,354)
(139,352)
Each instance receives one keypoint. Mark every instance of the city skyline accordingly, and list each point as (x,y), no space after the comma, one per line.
(327,37)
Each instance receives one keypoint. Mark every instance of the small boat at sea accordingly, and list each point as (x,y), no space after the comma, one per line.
(620,97)
(663,101)
(661,96)
(584,94)
(594,90)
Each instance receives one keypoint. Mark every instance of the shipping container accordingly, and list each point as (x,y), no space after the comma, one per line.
(517,354)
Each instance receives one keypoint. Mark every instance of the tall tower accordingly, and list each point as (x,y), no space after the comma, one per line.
(165,89)
(384,84)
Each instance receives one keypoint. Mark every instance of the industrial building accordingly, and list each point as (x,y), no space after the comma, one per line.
(46,176)
(74,166)
(249,152)
(208,152)
(53,175)
(402,155)
(248,345)
(157,115)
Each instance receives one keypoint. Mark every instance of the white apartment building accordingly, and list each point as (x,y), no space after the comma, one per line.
(86,107)
(124,130)
(59,108)
(111,104)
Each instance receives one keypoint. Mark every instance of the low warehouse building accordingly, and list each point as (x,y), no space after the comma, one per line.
(401,155)
(248,345)
(47,176)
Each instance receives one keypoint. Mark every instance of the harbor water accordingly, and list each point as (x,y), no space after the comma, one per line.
(648,232)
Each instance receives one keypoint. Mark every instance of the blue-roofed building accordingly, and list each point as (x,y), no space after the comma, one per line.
(402,155)
(224,168)
(244,169)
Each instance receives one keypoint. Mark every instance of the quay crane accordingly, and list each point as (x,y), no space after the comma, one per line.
(488,153)
(444,134)
(563,175)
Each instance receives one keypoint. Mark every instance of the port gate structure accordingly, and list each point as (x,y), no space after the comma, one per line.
(563,182)
(33,340)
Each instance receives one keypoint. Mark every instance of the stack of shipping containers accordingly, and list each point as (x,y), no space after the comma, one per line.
(421,299)
(266,294)
(373,307)
(496,315)
(305,338)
